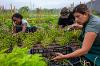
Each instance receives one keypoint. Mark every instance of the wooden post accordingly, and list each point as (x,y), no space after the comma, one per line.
(14,9)
(11,8)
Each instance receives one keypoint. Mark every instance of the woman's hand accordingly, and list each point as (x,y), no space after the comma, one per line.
(59,56)
(75,26)
(24,27)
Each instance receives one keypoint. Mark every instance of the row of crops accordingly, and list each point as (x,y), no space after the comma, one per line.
(15,49)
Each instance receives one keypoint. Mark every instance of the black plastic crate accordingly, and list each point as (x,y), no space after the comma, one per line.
(49,52)
(62,49)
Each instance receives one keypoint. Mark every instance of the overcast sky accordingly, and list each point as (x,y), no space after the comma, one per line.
(40,3)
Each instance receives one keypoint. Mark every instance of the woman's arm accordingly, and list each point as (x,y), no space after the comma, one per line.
(24,27)
(86,46)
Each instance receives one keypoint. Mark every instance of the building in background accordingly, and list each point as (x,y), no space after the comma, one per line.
(94,5)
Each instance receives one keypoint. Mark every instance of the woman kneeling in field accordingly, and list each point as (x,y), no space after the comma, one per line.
(21,25)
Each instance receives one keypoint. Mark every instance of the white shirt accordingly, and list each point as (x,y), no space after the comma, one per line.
(25,22)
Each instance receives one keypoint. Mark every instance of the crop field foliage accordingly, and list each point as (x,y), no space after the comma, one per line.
(14,49)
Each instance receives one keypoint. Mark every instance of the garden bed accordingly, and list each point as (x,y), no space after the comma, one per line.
(49,53)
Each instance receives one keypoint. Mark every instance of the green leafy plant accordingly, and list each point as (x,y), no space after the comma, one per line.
(21,57)
(7,40)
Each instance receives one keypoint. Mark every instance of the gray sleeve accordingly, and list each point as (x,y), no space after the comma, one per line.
(93,28)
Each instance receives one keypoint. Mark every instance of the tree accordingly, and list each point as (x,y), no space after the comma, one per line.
(24,9)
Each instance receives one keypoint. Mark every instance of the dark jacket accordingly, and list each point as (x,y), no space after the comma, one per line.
(66,21)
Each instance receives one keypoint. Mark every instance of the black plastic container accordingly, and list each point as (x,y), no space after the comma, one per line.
(49,52)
